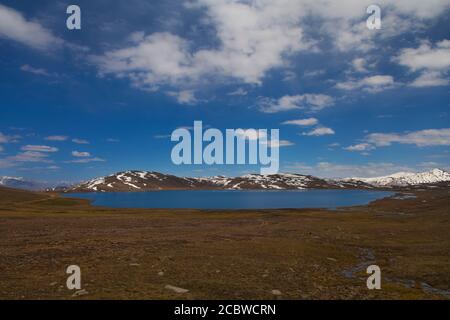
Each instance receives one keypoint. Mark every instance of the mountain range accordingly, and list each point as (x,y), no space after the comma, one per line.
(129,181)
(145,181)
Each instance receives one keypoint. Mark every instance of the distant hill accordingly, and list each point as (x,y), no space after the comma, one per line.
(20,183)
(10,195)
(402,179)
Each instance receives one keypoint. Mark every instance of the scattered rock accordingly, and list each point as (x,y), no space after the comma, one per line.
(160,273)
(81,292)
(276,292)
(176,289)
(331,259)
(134,264)
(53,284)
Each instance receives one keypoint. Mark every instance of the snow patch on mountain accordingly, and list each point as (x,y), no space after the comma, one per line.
(407,178)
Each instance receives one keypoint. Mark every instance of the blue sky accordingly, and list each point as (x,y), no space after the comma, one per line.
(348,101)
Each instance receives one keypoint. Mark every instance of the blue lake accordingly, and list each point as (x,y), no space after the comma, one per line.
(224,199)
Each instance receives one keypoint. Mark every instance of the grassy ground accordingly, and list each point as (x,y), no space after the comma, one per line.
(305,254)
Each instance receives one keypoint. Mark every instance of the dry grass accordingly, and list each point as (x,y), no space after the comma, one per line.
(306,254)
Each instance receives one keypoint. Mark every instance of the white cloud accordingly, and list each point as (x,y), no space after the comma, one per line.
(426,56)
(184,97)
(314,73)
(253,39)
(1,149)
(361,147)
(303,122)
(80,154)
(422,138)
(289,75)
(430,79)
(311,102)
(250,134)
(39,148)
(80,141)
(27,156)
(359,65)
(320,131)
(344,21)
(432,61)
(37,71)
(86,160)
(56,138)
(8,138)
(14,26)
(371,84)
(279,144)
(238,92)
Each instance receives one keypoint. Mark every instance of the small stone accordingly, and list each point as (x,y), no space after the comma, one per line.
(160,273)
(53,284)
(134,264)
(176,289)
(331,259)
(276,292)
(81,292)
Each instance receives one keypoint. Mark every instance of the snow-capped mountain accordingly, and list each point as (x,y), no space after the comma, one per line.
(145,181)
(19,183)
(402,179)
(148,180)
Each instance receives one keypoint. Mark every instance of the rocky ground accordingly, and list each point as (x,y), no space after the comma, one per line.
(188,254)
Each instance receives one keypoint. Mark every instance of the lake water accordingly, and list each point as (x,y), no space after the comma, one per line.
(230,199)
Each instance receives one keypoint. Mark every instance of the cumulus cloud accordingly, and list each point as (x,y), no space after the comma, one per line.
(430,79)
(361,147)
(184,97)
(250,134)
(253,39)
(80,141)
(37,71)
(422,138)
(86,160)
(359,65)
(39,148)
(431,61)
(345,23)
(302,122)
(371,84)
(278,144)
(14,26)
(238,92)
(320,131)
(311,102)
(80,154)
(27,156)
(9,138)
(56,138)
(426,56)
